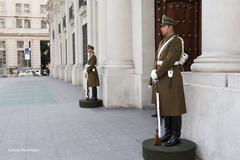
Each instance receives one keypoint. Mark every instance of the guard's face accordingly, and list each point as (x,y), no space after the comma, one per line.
(90,50)
(166,29)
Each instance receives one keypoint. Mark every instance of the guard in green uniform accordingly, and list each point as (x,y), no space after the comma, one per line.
(93,79)
(166,76)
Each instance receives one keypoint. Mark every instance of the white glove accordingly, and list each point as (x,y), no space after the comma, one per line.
(85,71)
(154,74)
(149,86)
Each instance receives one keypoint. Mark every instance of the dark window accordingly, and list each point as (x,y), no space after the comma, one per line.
(71,13)
(64,21)
(53,35)
(61,53)
(82,3)
(73,45)
(85,43)
(59,28)
(66,48)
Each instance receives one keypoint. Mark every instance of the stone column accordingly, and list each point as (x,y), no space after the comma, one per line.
(55,47)
(215,95)
(35,54)
(68,69)
(62,41)
(220,40)
(11,53)
(77,67)
(119,34)
(115,52)
(57,44)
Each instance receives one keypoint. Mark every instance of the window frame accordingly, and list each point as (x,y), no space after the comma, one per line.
(82,3)
(19,9)
(71,12)
(4,24)
(45,23)
(2,6)
(43,9)
(19,25)
(25,20)
(3,55)
(24,9)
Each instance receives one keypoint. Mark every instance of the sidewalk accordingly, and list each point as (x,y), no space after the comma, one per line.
(40,120)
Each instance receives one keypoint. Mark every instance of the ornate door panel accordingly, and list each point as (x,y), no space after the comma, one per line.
(188,15)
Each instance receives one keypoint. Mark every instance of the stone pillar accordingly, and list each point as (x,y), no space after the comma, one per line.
(54,10)
(143,27)
(35,54)
(57,44)
(62,41)
(11,53)
(215,95)
(76,69)
(68,68)
(220,41)
(119,34)
(118,73)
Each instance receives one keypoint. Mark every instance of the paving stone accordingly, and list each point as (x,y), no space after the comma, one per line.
(43,114)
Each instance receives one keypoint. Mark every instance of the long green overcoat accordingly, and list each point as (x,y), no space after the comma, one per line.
(93,79)
(172,99)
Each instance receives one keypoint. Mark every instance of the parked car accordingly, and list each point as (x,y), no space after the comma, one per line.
(28,73)
(37,72)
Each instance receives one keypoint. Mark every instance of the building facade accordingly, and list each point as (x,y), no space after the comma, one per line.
(68,39)
(23,24)
(125,34)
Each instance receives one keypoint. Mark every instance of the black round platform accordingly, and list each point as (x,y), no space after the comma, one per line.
(90,104)
(183,151)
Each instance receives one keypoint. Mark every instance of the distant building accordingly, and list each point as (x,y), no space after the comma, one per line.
(23,24)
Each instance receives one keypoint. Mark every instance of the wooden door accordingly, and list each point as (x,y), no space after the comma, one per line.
(188,15)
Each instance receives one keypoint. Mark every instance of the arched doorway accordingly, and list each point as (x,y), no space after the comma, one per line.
(188,15)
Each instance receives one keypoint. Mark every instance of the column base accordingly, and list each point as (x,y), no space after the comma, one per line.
(68,73)
(62,71)
(217,63)
(77,74)
(210,97)
(184,151)
(55,71)
(121,87)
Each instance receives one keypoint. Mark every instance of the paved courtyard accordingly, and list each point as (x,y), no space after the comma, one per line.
(40,120)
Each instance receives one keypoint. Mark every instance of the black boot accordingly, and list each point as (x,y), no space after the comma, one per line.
(176,125)
(168,132)
(174,140)
(94,94)
(154,115)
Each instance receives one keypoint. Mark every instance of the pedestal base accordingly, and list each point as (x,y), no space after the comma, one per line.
(183,151)
(90,104)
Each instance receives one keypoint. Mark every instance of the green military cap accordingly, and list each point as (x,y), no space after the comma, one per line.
(90,47)
(168,21)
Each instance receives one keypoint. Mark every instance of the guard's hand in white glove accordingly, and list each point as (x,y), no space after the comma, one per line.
(85,71)
(154,75)
(149,86)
